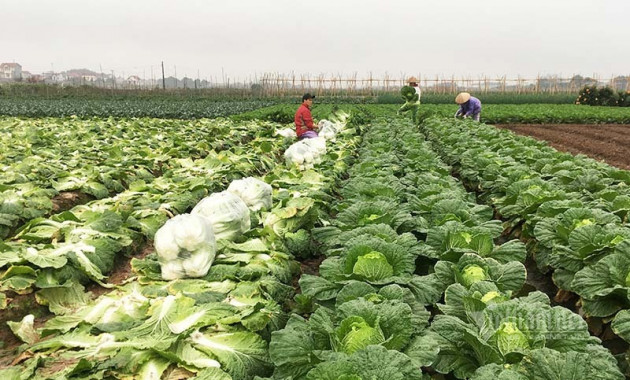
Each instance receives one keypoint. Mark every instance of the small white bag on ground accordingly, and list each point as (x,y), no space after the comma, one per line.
(255,193)
(185,246)
(228,214)
(324,124)
(327,130)
(287,132)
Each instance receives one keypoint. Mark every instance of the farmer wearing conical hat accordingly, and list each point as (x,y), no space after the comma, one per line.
(413,82)
(469,106)
(411,95)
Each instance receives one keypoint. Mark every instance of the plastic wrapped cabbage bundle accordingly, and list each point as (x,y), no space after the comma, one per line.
(228,214)
(327,130)
(317,145)
(299,154)
(324,124)
(287,132)
(185,246)
(255,193)
(306,153)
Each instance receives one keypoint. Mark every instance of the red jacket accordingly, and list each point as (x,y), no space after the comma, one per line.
(303,120)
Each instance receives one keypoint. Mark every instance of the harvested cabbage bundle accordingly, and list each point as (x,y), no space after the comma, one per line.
(412,101)
(228,214)
(327,130)
(317,145)
(185,246)
(255,193)
(409,94)
(306,153)
(287,132)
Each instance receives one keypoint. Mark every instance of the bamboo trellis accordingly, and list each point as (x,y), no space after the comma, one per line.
(278,84)
(336,85)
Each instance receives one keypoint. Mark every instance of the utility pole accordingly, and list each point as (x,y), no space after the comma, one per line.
(176,84)
(113,81)
(102,76)
(163,79)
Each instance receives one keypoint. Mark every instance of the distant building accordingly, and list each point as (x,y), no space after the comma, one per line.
(134,80)
(11,71)
(59,77)
(89,78)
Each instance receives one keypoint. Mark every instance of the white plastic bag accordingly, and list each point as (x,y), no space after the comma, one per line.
(228,214)
(287,132)
(185,246)
(317,145)
(255,193)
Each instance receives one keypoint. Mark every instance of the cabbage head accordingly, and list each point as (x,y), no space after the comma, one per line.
(472,274)
(373,266)
(511,339)
(492,297)
(356,334)
(408,93)
(582,223)
(299,243)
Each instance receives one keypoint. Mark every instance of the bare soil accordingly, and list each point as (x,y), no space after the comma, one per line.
(68,199)
(307,266)
(604,142)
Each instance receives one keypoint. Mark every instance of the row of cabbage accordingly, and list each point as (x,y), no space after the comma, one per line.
(572,210)
(407,235)
(536,113)
(165,324)
(167,107)
(82,244)
(96,158)
(492,113)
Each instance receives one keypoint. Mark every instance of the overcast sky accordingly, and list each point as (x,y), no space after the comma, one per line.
(244,38)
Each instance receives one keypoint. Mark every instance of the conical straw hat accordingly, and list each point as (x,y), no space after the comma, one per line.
(462,97)
(412,80)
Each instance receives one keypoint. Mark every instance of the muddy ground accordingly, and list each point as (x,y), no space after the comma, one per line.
(604,142)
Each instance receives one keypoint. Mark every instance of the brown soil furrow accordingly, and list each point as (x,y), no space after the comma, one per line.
(603,134)
(609,133)
(601,142)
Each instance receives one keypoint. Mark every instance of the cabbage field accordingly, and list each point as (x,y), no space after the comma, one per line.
(215,246)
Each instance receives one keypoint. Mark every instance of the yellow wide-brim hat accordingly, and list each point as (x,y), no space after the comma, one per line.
(412,80)
(462,98)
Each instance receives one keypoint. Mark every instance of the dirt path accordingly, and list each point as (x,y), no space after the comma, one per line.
(604,142)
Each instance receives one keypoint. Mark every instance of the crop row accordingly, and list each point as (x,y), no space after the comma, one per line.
(215,326)
(201,108)
(536,113)
(406,235)
(83,243)
(571,210)
(96,158)
(491,113)
(125,108)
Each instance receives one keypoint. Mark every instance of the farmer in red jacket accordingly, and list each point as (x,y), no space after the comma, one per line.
(304,127)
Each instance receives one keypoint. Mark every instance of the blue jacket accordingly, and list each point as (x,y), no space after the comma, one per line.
(471,107)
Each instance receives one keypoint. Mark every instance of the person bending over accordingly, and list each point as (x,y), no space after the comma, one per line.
(469,106)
